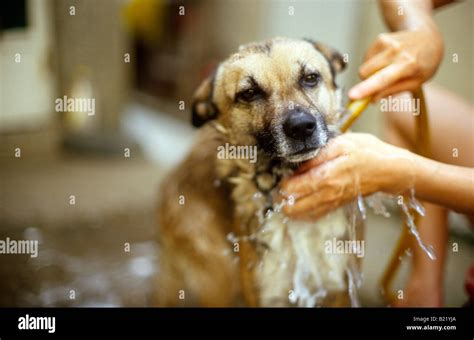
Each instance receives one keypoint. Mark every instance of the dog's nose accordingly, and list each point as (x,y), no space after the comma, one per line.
(299,125)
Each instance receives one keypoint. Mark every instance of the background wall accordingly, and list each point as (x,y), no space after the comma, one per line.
(27,88)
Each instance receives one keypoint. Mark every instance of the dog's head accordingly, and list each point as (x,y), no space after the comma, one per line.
(279,94)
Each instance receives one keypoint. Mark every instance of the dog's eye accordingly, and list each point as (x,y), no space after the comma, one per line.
(310,80)
(249,95)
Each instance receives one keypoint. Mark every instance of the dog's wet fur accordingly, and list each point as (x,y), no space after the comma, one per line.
(281,96)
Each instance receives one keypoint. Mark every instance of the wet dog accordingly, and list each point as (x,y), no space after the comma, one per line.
(223,239)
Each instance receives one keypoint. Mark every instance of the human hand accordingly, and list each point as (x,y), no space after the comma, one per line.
(351,164)
(399,61)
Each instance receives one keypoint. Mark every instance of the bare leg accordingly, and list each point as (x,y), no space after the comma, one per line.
(451,120)
(425,284)
(452,141)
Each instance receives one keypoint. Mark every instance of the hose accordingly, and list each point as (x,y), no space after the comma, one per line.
(422,147)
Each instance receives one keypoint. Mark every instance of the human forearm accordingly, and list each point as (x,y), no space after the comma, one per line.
(407,15)
(360,164)
(444,184)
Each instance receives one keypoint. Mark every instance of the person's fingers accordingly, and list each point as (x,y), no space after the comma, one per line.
(313,180)
(332,150)
(380,80)
(376,63)
(401,86)
(378,46)
(330,196)
(311,208)
(304,207)
(303,184)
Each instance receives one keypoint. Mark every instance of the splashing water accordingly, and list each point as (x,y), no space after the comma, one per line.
(412,227)
(375,202)
(303,295)
(232,238)
(354,282)
(361,206)
(415,204)
(313,274)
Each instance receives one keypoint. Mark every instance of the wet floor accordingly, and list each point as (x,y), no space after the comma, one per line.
(78,268)
(98,252)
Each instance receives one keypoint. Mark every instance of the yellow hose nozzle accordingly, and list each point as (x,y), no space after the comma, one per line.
(354,109)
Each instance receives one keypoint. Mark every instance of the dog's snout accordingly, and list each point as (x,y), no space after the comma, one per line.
(299,125)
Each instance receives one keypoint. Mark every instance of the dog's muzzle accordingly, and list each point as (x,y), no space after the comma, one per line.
(305,134)
(299,125)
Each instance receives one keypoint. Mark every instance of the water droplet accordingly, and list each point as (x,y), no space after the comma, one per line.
(361,205)
(291,200)
(32,233)
(141,266)
(232,238)
(415,204)
(375,202)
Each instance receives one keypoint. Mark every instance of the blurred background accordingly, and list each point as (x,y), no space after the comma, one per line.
(86,186)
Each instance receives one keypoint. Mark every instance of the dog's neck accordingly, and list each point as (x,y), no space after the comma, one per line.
(254,185)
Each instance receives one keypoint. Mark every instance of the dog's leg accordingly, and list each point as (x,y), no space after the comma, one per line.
(197,264)
(248,261)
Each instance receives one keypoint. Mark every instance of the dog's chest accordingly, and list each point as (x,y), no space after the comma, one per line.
(294,267)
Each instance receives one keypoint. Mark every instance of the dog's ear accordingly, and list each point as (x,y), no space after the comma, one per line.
(336,60)
(203,109)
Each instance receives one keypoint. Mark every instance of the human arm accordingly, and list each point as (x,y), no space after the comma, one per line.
(407,57)
(357,163)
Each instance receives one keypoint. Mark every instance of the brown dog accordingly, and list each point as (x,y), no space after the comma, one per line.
(224,241)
